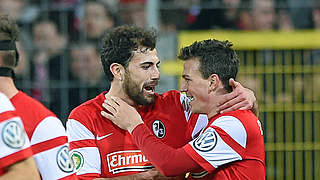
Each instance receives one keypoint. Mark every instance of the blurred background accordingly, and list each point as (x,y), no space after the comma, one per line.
(278,42)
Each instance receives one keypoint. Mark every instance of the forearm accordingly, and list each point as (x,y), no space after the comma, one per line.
(25,169)
(169,161)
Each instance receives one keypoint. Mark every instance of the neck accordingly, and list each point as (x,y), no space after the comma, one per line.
(215,97)
(116,90)
(7,87)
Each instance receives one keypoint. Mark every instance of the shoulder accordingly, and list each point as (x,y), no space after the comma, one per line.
(5,104)
(86,115)
(233,125)
(88,110)
(28,105)
(171,97)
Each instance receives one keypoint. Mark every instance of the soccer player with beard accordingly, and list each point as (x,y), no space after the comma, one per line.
(100,148)
(230,147)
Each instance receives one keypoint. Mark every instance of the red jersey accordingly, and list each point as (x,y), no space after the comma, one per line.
(47,136)
(101,149)
(231,147)
(14,142)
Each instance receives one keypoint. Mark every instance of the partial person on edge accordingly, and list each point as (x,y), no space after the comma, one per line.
(45,131)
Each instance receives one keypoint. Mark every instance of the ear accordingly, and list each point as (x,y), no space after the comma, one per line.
(214,82)
(117,70)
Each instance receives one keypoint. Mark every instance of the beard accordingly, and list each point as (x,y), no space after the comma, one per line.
(134,92)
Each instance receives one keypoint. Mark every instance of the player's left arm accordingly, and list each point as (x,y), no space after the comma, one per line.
(240,98)
(169,161)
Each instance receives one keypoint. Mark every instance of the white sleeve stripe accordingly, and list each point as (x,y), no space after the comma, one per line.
(211,147)
(5,104)
(233,127)
(49,128)
(87,160)
(77,131)
(54,163)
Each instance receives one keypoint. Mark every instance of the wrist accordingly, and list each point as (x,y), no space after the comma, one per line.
(132,127)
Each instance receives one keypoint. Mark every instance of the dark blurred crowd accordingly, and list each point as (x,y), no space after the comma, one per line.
(60,39)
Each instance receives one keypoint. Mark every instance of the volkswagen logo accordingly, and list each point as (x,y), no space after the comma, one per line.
(13,135)
(64,161)
(206,141)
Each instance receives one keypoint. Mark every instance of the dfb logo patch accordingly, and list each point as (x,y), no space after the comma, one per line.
(13,135)
(206,141)
(158,129)
(64,161)
(78,160)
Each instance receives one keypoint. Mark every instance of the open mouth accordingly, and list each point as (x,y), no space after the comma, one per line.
(149,88)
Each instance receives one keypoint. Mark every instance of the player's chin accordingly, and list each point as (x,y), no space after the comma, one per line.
(149,99)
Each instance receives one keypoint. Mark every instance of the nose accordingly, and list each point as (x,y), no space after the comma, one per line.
(155,74)
(183,86)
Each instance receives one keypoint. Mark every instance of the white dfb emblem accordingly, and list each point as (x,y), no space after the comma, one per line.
(64,161)
(158,129)
(13,135)
(206,141)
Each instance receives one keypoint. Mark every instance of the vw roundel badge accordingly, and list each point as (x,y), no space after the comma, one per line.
(64,161)
(158,129)
(78,160)
(206,141)
(13,135)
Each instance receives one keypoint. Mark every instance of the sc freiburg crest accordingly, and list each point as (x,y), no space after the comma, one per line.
(13,135)
(206,141)
(158,129)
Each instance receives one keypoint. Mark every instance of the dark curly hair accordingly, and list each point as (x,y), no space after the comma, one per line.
(216,57)
(119,44)
(9,31)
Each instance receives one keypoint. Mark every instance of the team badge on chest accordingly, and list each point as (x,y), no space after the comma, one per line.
(158,129)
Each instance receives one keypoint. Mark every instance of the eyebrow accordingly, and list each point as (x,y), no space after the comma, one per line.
(149,63)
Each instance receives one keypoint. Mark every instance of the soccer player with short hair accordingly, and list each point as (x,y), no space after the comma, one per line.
(230,147)
(101,149)
(46,133)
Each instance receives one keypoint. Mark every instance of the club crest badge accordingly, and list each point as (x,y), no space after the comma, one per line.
(64,161)
(158,129)
(206,141)
(13,135)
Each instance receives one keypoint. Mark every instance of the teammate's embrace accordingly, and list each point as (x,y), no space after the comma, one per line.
(230,147)
(130,62)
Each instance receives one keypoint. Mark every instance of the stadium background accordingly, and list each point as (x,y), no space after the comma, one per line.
(278,43)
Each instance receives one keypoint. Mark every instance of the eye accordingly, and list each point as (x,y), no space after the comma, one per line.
(145,67)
